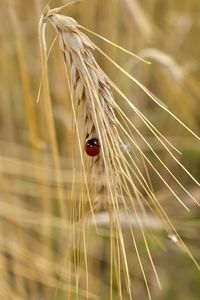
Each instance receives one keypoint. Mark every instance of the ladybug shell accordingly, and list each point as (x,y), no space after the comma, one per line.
(92,147)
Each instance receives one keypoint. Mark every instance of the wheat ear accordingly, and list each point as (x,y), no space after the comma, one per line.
(113,179)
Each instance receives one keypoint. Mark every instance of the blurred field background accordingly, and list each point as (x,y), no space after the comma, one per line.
(35,145)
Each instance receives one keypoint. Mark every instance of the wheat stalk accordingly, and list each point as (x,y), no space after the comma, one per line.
(113,180)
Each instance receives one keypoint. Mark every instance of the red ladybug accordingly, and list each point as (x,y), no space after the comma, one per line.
(92,147)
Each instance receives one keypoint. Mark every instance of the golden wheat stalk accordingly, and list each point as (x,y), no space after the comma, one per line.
(112,178)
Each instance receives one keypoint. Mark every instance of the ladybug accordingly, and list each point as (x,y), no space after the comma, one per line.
(92,147)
